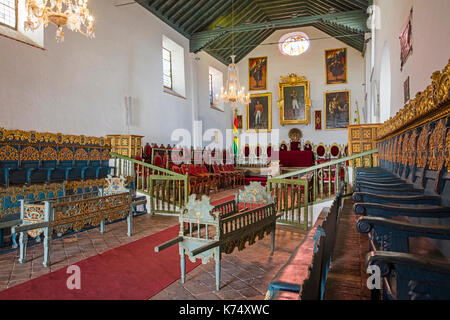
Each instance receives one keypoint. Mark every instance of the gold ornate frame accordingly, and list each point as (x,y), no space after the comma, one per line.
(269,107)
(325,109)
(292,80)
(267,71)
(346,67)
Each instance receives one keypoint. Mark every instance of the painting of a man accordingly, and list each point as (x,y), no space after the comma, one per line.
(337,109)
(294,103)
(259,112)
(257,79)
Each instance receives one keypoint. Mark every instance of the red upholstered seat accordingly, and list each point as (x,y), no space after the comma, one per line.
(258,151)
(158,161)
(295,146)
(246,151)
(320,151)
(334,151)
(269,151)
(307,146)
(283,147)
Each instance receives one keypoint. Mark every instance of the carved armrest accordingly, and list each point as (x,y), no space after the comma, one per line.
(389,210)
(406,229)
(385,260)
(405,199)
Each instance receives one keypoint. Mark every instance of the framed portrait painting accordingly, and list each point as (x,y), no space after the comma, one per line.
(336,66)
(294,102)
(259,113)
(337,109)
(239,121)
(257,74)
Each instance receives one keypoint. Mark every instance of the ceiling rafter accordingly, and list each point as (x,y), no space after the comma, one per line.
(207,23)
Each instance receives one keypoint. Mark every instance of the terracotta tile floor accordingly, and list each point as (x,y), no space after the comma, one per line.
(245,274)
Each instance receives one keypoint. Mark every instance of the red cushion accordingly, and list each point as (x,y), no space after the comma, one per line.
(334,151)
(320,151)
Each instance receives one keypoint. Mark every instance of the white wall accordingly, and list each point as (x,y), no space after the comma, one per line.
(78,86)
(310,64)
(431,45)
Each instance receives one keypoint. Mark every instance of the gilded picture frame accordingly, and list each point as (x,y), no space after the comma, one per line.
(336,66)
(337,109)
(294,103)
(259,113)
(257,74)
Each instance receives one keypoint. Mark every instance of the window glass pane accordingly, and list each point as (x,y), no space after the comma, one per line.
(8,12)
(210,88)
(167,82)
(167,68)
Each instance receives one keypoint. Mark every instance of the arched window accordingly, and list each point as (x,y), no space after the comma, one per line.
(294,44)
(8,13)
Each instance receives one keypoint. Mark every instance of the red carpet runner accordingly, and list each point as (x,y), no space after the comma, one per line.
(131,272)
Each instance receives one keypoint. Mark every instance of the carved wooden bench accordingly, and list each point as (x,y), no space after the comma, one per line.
(305,273)
(207,231)
(74,212)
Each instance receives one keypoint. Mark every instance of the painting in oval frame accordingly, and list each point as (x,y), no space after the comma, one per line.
(294,102)
(259,113)
(337,109)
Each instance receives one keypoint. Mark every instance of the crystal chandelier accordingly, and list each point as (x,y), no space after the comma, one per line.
(73,14)
(233,92)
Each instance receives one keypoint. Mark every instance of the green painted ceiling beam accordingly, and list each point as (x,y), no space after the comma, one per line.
(201,39)
(198,4)
(148,6)
(218,9)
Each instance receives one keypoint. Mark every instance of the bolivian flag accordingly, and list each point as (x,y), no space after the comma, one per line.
(235,134)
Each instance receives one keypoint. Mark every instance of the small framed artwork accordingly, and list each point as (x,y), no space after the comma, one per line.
(239,122)
(257,74)
(294,102)
(318,119)
(406,90)
(336,66)
(259,113)
(337,109)
(406,41)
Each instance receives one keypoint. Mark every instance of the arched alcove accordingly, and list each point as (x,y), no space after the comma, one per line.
(385,84)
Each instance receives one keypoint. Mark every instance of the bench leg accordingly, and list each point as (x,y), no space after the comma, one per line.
(217,258)
(182,264)
(23,239)
(130,223)
(47,245)
(102,226)
(272,239)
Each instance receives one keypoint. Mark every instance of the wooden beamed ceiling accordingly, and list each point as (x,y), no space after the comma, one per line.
(208,23)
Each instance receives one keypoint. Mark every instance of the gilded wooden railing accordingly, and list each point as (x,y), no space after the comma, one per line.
(294,192)
(168,191)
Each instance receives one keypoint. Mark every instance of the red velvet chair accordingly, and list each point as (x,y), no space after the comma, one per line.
(213,179)
(195,183)
(335,151)
(295,146)
(239,174)
(225,178)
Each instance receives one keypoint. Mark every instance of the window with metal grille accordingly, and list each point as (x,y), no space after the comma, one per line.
(8,13)
(167,68)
